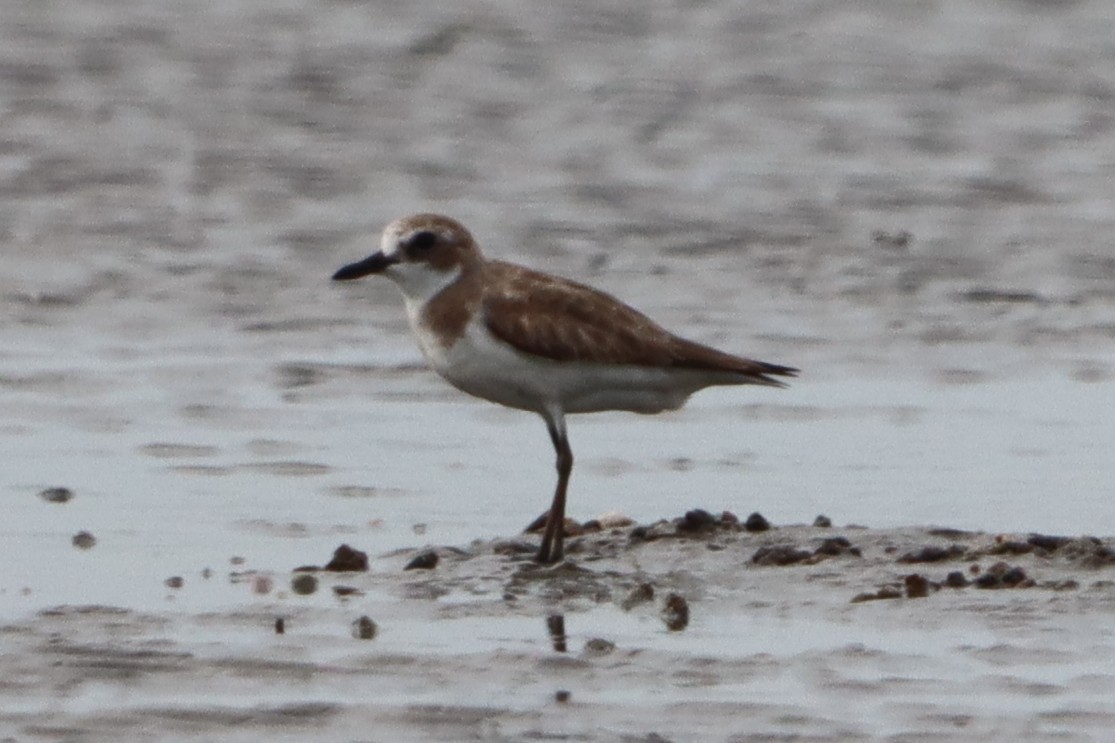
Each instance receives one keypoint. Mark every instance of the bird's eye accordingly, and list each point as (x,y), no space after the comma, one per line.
(422,241)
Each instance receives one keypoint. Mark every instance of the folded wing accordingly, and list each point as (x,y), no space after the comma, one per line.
(565,321)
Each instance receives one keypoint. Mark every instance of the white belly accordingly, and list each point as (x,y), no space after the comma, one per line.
(483,366)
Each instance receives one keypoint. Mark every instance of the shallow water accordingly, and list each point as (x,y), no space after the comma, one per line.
(179,183)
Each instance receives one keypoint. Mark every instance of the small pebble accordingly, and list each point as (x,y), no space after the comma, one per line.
(988,580)
(779,555)
(303,584)
(1048,543)
(756,522)
(344,591)
(834,546)
(822,522)
(917,587)
(555,625)
(614,520)
(174,581)
(56,495)
(538,524)
(675,613)
(696,520)
(933,553)
(83,540)
(364,628)
(262,584)
(956,579)
(348,560)
(280,626)
(597,647)
(423,561)
(562,696)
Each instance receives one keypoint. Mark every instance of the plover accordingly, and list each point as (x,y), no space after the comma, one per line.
(541,343)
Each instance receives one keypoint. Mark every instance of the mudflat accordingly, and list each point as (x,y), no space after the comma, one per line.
(910,202)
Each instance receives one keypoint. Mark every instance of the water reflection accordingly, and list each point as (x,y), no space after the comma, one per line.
(555,625)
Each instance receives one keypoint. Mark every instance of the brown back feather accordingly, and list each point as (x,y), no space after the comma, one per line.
(563,321)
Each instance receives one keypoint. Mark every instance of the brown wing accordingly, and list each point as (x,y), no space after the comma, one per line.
(562,320)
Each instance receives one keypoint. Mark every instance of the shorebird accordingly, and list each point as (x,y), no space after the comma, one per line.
(541,343)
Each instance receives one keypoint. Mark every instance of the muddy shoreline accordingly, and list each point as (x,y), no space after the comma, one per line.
(909,201)
(548,651)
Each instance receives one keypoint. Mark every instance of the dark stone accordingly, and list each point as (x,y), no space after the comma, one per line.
(1002,575)
(727,517)
(280,626)
(56,495)
(822,522)
(539,524)
(364,628)
(675,613)
(348,560)
(779,555)
(917,587)
(697,520)
(598,647)
(756,522)
(555,625)
(83,540)
(1011,547)
(344,591)
(423,561)
(956,579)
(1048,543)
(988,580)
(946,533)
(933,553)
(835,546)
(304,584)
(562,696)
(174,581)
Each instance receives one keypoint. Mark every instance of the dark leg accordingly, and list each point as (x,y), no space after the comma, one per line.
(553,549)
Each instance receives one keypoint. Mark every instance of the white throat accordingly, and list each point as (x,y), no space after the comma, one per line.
(420,283)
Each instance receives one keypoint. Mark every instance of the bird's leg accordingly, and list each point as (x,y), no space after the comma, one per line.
(552,549)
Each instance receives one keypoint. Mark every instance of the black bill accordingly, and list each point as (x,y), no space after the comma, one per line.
(375,263)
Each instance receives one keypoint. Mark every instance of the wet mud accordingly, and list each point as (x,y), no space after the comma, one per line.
(911,202)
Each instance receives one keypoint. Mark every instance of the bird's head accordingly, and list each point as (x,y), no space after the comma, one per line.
(422,253)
